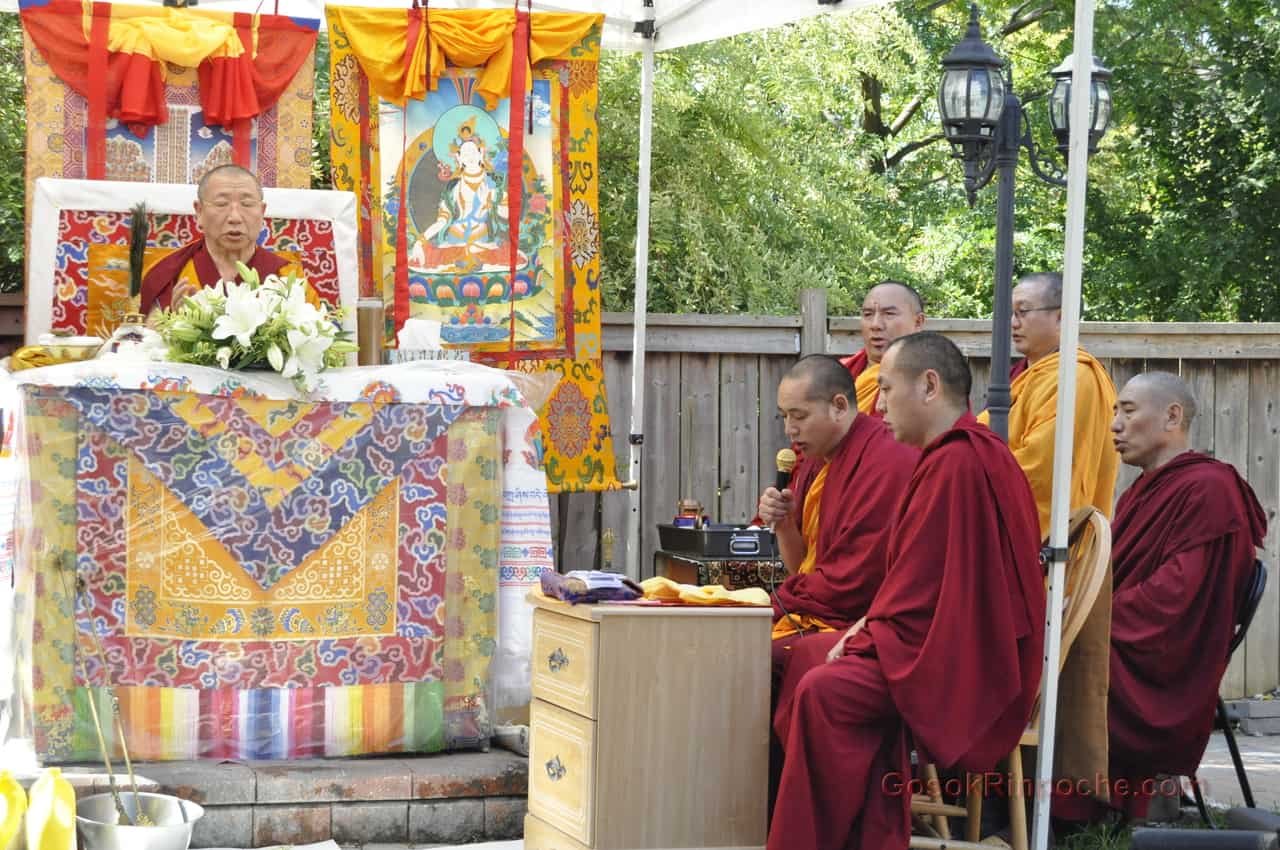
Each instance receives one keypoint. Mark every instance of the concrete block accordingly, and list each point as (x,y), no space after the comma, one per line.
(1253,819)
(1260,725)
(1202,839)
(331,780)
(497,773)
(361,823)
(295,824)
(449,821)
(209,783)
(1257,708)
(504,817)
(224,826)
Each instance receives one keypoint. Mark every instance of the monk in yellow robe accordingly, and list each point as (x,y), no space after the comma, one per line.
(1037,315)
(229,212)
(890,309)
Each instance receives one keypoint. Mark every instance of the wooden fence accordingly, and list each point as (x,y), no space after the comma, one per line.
(711,429)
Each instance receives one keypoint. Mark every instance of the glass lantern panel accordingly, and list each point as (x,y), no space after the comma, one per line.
(1059,105)
(1101,107)
(995,106)
(953,99)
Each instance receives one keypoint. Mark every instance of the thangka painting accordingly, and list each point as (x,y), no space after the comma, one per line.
(483,210)
(263,577)
(160,95)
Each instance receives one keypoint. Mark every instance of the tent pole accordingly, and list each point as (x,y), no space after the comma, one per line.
(636,436)
(1073,253)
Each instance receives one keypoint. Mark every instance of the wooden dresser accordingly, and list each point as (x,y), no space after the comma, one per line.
(649,727)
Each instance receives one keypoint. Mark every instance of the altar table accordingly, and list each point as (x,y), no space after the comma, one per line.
(263,575)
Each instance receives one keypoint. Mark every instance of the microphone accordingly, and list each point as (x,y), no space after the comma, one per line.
(786,461)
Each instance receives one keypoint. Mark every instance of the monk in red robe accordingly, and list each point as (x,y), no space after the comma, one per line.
(229,211)
(949,654)
(1183,550)
(890,309)
(832,523)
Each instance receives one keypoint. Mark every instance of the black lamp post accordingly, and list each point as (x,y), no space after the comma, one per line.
(984,122)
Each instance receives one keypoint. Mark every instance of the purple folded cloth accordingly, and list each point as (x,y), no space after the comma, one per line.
(590,586)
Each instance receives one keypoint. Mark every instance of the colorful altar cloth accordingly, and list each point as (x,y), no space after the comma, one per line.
(260,575)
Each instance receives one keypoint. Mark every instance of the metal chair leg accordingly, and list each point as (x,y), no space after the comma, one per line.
(1204,810)
(1235,753)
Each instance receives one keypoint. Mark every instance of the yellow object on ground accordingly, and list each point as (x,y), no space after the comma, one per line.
(666,590)
(14,800)
(51,816)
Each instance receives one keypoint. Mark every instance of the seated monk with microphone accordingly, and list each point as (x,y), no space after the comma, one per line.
(832,523)
(229,212)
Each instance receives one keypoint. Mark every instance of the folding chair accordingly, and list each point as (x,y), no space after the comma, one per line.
(1257,585)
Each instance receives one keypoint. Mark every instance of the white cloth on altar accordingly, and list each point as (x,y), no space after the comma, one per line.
(525,548)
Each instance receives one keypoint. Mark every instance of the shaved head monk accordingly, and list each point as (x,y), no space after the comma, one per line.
(1037,317)
(890,309)
(1182,555)
(229,212)
(832,523)
(950,650)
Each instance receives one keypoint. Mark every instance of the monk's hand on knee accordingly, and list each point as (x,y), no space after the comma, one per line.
(842,646)
(775,505)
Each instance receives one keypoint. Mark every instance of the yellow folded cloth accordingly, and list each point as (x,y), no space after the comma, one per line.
(666,590)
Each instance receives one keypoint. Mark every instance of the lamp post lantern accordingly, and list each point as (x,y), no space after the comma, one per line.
(985,124)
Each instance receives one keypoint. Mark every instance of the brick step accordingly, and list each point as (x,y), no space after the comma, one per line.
(451,798)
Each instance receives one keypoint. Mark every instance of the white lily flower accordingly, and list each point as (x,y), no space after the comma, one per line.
(297,310)
(308,350)
(243,316)
(275,357)
(224,357)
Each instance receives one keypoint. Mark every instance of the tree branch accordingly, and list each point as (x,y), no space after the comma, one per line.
(881,166)
(1027,20)
(905,115)
(872,119)
(935,6)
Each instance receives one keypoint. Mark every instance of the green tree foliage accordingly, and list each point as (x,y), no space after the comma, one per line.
(811,156)
(13,145)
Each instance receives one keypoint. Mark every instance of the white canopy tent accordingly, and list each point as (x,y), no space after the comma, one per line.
(647,26)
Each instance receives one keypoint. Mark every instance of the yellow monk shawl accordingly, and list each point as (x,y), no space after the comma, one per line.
(809,529)
(1032,418)
(864,373)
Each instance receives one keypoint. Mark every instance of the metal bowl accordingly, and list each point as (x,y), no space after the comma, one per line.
(97,822)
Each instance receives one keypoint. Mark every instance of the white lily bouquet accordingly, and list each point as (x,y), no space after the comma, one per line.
(255,323)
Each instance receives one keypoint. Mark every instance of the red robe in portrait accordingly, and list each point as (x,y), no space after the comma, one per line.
(1182,554)
(950,655)
(193,264)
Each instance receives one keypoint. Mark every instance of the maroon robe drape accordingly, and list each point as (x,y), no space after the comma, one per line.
(951,651)
(157,285)
(1182,556)
(868,474)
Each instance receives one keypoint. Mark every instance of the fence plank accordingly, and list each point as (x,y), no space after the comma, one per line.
(615,504)
(661,466)
(981,369)
(1231,442)
(773,434)
(1261,667)
(700,431)
(579,531)
(739,424)
(1199,377)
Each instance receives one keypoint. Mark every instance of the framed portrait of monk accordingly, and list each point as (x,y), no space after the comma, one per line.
(78,262)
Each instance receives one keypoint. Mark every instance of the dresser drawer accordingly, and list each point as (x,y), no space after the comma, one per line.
(539,836)
(564,661)
(562,751)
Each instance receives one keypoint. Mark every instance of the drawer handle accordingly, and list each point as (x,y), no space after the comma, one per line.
(556,769)
(557,660)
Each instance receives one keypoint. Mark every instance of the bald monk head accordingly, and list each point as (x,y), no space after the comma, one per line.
(1153,420)
(890,310)
(1037,315)
(229,211)
(816,400)
(924,387)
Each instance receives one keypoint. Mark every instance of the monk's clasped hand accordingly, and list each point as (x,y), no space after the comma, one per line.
(775,505)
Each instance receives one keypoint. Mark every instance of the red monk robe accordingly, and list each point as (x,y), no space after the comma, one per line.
(192,265)
(951,651)
(1182,554)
